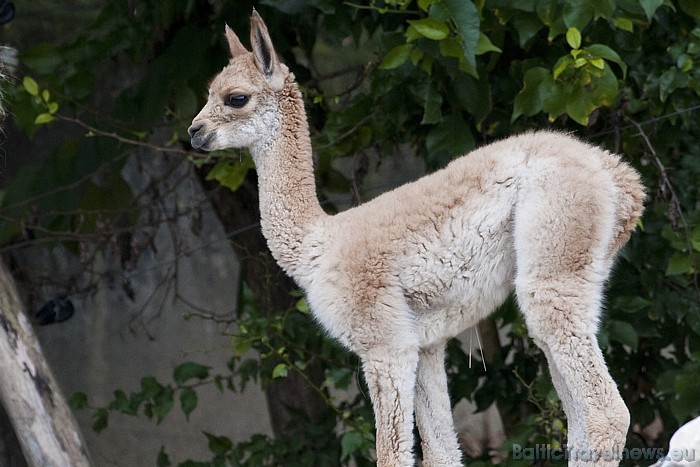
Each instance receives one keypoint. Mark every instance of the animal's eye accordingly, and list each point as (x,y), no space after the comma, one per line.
(236,100)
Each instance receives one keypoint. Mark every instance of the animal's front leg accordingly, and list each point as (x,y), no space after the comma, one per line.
(434,411)
(391,377)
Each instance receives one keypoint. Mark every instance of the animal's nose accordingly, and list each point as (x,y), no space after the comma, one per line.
(194,128)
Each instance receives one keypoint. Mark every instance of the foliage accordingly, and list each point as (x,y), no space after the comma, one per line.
(441,76)
(282,344)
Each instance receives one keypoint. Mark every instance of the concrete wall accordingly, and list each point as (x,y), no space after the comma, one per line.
(112,341)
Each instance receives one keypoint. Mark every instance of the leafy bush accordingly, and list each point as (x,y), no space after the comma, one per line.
(441,76)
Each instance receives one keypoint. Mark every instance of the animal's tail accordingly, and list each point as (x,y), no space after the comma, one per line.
(630,201)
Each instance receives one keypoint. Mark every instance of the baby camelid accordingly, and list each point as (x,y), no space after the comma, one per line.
(393,279)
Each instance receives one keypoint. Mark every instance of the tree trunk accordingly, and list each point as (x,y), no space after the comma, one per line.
(41,418)
(272,287)
(10,449)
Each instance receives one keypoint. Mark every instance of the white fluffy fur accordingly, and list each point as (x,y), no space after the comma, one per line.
(541,213)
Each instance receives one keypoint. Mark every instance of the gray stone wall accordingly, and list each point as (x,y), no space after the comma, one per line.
(143,318)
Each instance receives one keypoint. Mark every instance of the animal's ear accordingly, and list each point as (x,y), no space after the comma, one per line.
(264,54)
(234,43)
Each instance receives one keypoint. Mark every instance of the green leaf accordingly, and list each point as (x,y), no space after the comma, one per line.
(416,57)
(597,62)
(162,460)
(150,387)
(121,403)
(412,34)
(396,57)
(190,370)
(43,118)
(78,401)
(474,94)
(432,112)
(555,100)
(230,172)
(451,136)
(218,445)
(623,332)
(280,371)
(605,52)
(562,65)
(431,28)
(302,306)
(163,403)
(240,345)
(686,387)
(664,382)
(631,304)
(547,12)
(188,401)
(693,320)
(573,38)
(650,7)
(529,100)
(350,443)
(679,263)
(466,20)
(30,86)
(625,24)
(484,45)
(100,418)
(43,58)
(670,80)
(579,105)
(603,8)
(577,14)
(452,47)
(527,25)
(604,90)
(580,62)
(684,63)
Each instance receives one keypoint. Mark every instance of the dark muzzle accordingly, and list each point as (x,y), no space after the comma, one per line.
(199,137)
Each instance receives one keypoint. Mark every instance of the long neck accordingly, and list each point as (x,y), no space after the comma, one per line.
(289,206)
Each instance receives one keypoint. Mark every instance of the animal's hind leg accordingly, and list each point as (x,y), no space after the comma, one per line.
(598,418)
(563,392)
(434,411)
(562,237)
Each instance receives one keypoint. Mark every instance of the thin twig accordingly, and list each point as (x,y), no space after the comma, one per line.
(382,10)
(349,132)
(132,142)
(675,210)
